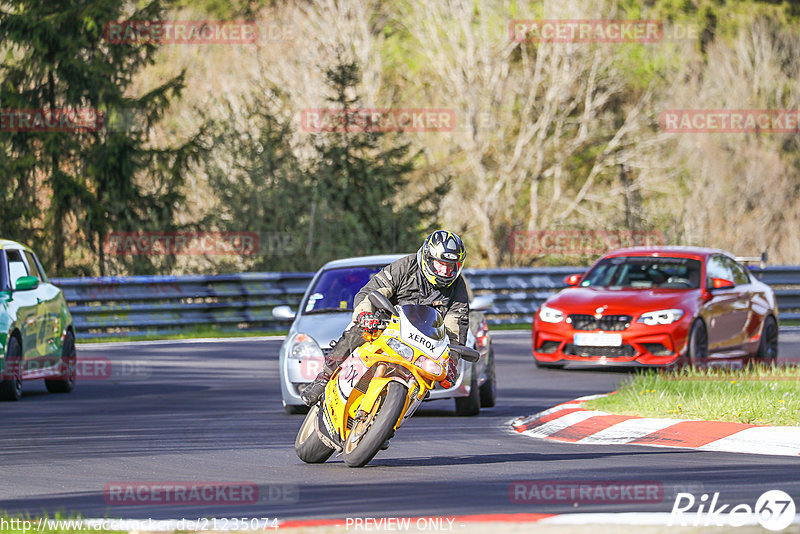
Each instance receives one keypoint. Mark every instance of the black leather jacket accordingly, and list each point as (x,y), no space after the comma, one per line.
(403,283)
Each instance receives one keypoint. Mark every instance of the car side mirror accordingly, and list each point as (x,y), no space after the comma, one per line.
(283,312)
(25,283)
(721,283)
(466,353)
(573,279)
(481,303)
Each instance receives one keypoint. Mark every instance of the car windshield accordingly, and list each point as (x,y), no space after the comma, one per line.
(425,319)
(644,272)
(335,289)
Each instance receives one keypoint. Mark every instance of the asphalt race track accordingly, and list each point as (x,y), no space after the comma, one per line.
(210,412)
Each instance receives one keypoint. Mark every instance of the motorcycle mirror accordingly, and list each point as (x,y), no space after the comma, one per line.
(379,301)
(466,353)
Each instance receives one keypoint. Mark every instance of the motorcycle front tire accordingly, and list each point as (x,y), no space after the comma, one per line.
(382,428)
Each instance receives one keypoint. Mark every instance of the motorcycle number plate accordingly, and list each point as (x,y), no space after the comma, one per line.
(351,372)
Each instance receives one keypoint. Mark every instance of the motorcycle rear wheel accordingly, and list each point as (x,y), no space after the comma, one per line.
(307,444)
(387,411)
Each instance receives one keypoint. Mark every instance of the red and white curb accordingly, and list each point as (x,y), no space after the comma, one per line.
(572,423)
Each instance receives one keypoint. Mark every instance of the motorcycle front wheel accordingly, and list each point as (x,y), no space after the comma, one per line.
(307,444)
(367,436)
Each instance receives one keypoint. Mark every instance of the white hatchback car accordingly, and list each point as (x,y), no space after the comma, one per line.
(325,311)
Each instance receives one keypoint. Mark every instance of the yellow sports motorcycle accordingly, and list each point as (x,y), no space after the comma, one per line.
(380,385)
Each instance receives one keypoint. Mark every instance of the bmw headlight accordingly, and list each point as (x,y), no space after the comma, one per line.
(654,318)
(303,346)
(550,315)
(401,348)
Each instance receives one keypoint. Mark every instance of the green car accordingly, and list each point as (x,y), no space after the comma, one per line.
(37,339)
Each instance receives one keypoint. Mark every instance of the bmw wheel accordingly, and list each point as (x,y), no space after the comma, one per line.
(697,349)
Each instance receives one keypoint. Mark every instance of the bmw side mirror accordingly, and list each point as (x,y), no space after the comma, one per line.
(573,279)
(26,283)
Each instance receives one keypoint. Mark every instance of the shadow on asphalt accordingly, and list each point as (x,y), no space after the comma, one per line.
(479,459)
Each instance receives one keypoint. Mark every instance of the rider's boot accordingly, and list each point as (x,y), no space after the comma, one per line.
(341,349)
(314,391)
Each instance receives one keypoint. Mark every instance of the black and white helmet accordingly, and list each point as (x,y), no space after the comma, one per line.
(441,258)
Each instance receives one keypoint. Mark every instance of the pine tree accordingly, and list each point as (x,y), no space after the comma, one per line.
(358,182)
(59,59)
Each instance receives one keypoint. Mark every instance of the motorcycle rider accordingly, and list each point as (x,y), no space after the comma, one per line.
(432,277)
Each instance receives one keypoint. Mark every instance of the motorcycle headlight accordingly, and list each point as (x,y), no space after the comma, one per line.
(660,317)
(550,315)
(303,346)
(428,365)
(401,348)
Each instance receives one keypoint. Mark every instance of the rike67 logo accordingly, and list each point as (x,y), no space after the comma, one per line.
(774,510)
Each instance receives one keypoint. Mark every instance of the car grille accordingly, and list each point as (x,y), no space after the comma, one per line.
(548,347)
(608,352)
(606,322)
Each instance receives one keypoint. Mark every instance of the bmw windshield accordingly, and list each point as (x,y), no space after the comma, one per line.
(335,289)
(644,272)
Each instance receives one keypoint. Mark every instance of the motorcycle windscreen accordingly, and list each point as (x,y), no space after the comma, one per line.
(423,327)
(428,321)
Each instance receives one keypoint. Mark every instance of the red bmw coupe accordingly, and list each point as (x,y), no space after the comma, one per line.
(658,306)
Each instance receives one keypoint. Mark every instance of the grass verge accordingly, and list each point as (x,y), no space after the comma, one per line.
(510,326)
(760,396)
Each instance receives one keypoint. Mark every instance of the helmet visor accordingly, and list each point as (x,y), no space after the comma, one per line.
(444,268)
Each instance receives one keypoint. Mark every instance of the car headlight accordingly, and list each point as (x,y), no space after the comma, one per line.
(401,348)
(660,317)
(550,315)
(303,346)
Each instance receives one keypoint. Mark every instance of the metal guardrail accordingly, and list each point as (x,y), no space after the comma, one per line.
(123,306)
